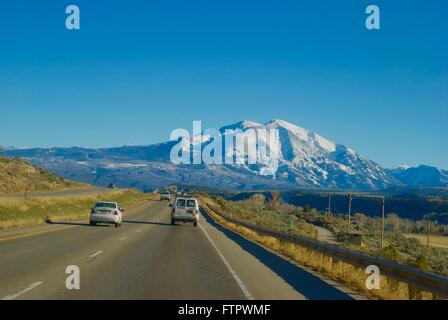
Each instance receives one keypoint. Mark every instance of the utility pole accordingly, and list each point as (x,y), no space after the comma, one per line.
(382,223)
(428,230)
(349,211)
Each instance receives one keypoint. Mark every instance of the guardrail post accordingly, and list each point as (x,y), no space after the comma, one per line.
(435,296)
(392,284)
(382,223)
(415,293)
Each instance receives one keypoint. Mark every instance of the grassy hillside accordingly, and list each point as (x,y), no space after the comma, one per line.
(434,241)
(17,176)
(264,214)
(407,206)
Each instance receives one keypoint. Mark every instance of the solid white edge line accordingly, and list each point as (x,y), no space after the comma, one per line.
(124,238)
(30,287)
(93,255)
(227,264)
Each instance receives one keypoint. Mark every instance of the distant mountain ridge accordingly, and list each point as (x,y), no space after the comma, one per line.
(420,176)
(306,159)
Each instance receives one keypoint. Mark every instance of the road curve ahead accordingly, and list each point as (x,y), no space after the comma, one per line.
(147,258)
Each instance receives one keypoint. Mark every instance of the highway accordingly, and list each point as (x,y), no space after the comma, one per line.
(147,258)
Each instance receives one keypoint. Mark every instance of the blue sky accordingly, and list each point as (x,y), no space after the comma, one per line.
(138,69)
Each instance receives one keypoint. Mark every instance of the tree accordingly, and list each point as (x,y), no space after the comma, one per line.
(422,262)
(393,219)
(390,253)
(257,201)
(306,208)
(359,219)
(275,201)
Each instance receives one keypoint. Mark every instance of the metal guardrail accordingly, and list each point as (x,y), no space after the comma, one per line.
(415,278)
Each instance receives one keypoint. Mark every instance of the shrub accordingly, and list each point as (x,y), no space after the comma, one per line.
(389,253)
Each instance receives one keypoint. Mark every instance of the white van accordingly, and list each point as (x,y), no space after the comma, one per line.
(165,195)
(185,209)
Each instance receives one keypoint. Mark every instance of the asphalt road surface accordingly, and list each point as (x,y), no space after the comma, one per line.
(147,258)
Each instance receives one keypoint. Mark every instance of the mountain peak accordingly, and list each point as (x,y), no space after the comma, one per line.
(302,136)
(403,166)
(243,125)
(281,123)
(296,130)
(248,123)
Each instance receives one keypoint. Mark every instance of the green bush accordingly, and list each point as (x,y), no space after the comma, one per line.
(389,253)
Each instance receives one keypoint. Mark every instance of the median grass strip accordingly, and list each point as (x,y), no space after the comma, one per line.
(27,212)
(339,271)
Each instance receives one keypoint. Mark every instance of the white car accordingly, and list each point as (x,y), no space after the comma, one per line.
(185,209)
(106,212)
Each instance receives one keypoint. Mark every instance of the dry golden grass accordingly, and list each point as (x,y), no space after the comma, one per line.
(21,212)
(17,176)
(434,241)
(351,276)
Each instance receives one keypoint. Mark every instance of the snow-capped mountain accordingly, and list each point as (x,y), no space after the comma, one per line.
(420,176)
(242,125)
(305,159)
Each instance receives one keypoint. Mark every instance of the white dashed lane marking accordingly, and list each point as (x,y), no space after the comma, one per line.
(93,255)
(19,293)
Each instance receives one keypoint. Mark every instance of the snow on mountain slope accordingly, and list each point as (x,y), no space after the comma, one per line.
(305,159)
(241,125)
(298,142)
(308,159)
(421,176)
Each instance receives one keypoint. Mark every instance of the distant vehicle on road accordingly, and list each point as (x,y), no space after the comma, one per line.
(185,209)
(165,195)
(106,212)
(112,186)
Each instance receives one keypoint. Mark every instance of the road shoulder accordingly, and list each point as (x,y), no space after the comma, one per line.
(269,275)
